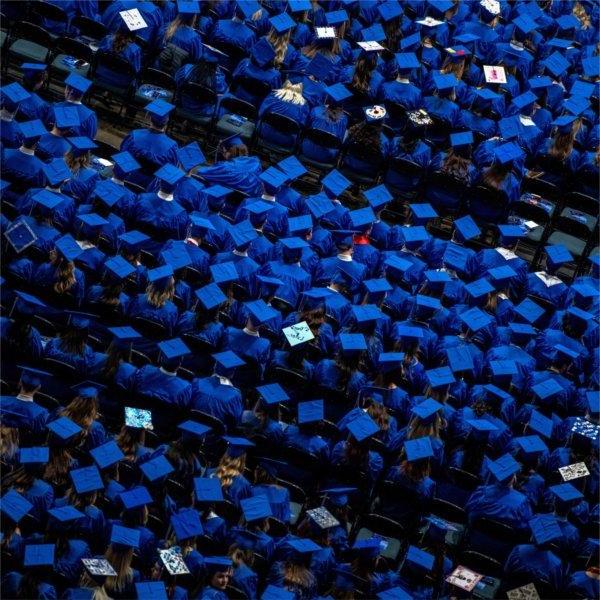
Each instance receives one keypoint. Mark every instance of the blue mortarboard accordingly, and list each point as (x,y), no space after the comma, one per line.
(590,66)
(362,427)
(125,162)
(566,352)
(566,22)
(186,524)
(479,288)
(501,276)
(173,349)
(460,359)
(156,468)
(273,592)
(319,66)
(28,304)
(125,536)
(210,296)
(564,123)
(509,234)
(319,205)
(418,449)
(282,22)
(524,101)
(407,61)
(405,332)
(208,489)
(540,424)
(422,213)
(107,454)
(389,361)
(547,389)
(248,7)
(522,331)
(377,287)
(426,305)
(486,94)
(352,342)
(32,129)
(156,590)
(300,225)
(14,92)
(378,196)
(482,427)
(66,117)
(270,284)
(427,410)
(20,236)
(556,63)
(503,368)
(529,311)
(593,403)
(263,52)
(56,171)
(369,546)
(540,83)
(33,377)
(260,311)
(303,545)
(576,105)
(228,359)
(299,5)
(136,497)
(374,33)
(199,225)
(531,445)
(525,24)
(169,174)
(260,208)
(256,508)
(38,555)
(64,428)
(440,377)
(311,411)
(161,274)
(466,228)
(29,67)
(86,479)
(272,179)
(159,109)
(68,248)
(395,593)
(507,153)
(566,493)
(236,446)
(463,138)
(190,156)
(557,255)
(410,41)
(475,319)
(118,268)
(336,17)
(124,334)
(582,89)
(292,167)
(504,467)
(293,243)
(366,313)
(272,393)
(414,235)
(81,144)
(420,559)
(335,183)
(545,528)
(362,218)
(14,506)
(338,92)
(444,81)
(193,429)
(186,7)
(389,10)
(509,127)
(91,223)
(77,82)
(108,192)
(242,234)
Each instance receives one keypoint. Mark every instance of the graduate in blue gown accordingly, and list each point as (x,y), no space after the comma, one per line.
(11,96)
(205,72)
(122,43)
(182,32)
(75,88)
(33,107)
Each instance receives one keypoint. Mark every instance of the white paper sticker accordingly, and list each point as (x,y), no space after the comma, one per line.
(325,32)
(494,74)
(370,46)
(506,253)
(298,333)
(464,578)
(574,471)
(133,19)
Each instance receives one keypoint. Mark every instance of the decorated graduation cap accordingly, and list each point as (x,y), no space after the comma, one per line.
(20,236)
(56,171)
(335,184)
(236,446)
(132,20)
(311,411)
(159,110)
(208,489)
(375,113)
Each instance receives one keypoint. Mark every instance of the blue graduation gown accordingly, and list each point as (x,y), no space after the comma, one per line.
(33,108)
(132,53)
(188,102)
(295,279)
(249,347)
(83,362)
(318,119)
(81,184)
(167,315)
(23,414)
(273,105)
(10,134)
(236,33)
(88,122)
(221,401)
(500,503)
(151,381)
(21,168)
(69,564)
(167,218)
(278,497)
(239,173)
(537,565)
(328,267)
(314,444)
(62,215)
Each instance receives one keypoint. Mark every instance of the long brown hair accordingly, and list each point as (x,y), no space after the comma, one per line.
(121,40)
(176,23)
(317,46)
(57,469)
(362,73)
(158,296)
(64,275)
(298,575)
(562,143)
(130,439)
(81,410)
(314,317)
(417,470)
(9,442)
(76,163)
(229,467)
(365,135)
(494,176)
(456,165)
(379,413)
(120,559)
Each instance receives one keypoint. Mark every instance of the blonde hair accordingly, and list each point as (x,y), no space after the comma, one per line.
(295,575)
(280,45)
(158,296)
(229,467)
(291,92)
(121,563)
(9,442)
(76,163)
(176,24)
(581,15)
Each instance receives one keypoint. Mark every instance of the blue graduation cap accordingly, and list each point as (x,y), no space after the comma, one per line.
(107,454)
(444,82)
(38,555)
(411,42)
(539,83)
(151,589)
(186,7)
(256,508)
(282,22)
(159,110)
(292,167)
(529,311)
(81,144)
(556,64)
(242,234)
(14,505)
(86,479)
(161,275)
(66,117)
(293,243)
(272,179)
(547,389)
(540,424)
(208,489)
(480,428)
(337,93)
(501,276)
(406,332)
(510,234)
(91,223)
(68,248)
(30,68)
(564,123)
(335,184)
(422,213)
(237,445)
(465,228)
(260,311)
(531,445)
(136,497)
(193,429)
(210,296)
(199,225)
(157,468)
(125,163)
(273,592)
(524,24)
(460,359)
(589,67)
(377,288)
(259,209)
(311,411)
(64,428)
(118,269)
(174,349)
(338,496)
(362,218)
(35,455)
(300,225)
(319,205)
(109,193)
(20,236)
(418,449)
(272,393)
(507,153)
(14,93)
(336,17)
(228,360)
(186,524)
(504,468)
(56,171)
(263,52)
(169,174)
(389,10)
(479,288)
(390,361)
(370,547)
(503,368)
(407,61)
(544,529)
(566,493)
(374,33)
(378,196)
(440,377)
(366,313)
(437,279)
(576,105)
(77,82)
(352,342)
(28,304)
(31,130)
(125,536)
(190,156)
(247,7)
(362,427)
(297,6)
(133,240)
(475,319)
(419,559)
